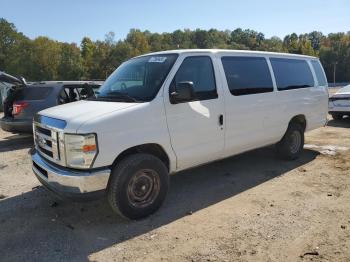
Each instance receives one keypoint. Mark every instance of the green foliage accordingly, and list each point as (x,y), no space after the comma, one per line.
(45,59)
(138,41)
(335,54)
(71,62)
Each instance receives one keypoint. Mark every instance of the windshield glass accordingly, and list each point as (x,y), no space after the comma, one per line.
(137,80)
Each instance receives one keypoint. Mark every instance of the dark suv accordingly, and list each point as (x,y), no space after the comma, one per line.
(24,100)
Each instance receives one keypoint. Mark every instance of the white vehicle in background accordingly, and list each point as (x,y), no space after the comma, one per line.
(164,112)
(339,103)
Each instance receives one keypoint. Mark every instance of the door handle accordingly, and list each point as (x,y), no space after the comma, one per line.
(221,120)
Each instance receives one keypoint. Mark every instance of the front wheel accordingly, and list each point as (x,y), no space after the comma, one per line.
(138,186)
(292,143)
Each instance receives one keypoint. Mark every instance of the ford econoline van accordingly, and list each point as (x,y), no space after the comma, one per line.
(164,112)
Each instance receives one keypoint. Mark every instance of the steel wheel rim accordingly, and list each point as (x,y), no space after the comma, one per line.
(143,188)
(295,142)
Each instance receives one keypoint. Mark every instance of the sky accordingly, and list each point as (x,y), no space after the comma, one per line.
(70,21)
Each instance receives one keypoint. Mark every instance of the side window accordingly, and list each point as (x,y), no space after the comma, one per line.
(321,78)
(33,93)
(200,71)
(72,94)
(291,73)
(63,97)
(247,75)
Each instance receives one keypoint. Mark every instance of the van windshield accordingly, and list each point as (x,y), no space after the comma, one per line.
(137,80)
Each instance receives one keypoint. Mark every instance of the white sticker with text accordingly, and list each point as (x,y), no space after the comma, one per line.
(157,59)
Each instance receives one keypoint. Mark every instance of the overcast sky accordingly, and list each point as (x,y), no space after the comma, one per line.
(71,20)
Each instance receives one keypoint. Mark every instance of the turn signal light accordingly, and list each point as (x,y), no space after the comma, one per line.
(88,148)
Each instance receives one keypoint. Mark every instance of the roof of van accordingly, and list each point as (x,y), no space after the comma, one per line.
(232,51)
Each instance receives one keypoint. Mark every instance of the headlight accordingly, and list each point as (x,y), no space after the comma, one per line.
(81,150)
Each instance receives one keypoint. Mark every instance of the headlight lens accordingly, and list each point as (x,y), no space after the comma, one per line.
(80,150)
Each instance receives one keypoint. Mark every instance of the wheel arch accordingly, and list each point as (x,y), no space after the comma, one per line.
(149,148)
(299,119)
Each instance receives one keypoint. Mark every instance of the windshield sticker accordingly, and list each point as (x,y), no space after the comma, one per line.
(157,59)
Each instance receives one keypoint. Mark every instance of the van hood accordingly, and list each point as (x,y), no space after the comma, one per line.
(77,113)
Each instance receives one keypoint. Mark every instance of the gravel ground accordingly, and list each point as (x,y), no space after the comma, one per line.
(251,207)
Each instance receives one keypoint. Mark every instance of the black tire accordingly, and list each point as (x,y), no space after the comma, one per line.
(292,143)
(135,177)
(337,116)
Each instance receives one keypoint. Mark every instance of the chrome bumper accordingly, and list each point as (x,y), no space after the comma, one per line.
(67,182)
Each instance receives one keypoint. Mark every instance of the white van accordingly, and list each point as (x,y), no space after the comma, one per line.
(164,112)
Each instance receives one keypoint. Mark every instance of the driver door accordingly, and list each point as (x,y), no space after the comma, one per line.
(196,127)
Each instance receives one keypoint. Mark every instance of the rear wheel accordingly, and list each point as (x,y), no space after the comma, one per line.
(138,186)
(337,116)
(292,143)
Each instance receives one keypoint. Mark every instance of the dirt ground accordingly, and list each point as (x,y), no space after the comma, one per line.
(251,207)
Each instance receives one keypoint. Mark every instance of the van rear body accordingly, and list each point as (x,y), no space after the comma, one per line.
(165,112)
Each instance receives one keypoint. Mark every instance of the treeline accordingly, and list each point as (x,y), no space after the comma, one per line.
(47,59)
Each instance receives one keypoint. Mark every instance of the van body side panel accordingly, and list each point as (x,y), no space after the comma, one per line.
(259,119)
(318,117)
(249,118)
(309,101)
(136,125)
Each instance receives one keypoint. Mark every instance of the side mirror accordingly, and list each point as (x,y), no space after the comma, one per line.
(183,92)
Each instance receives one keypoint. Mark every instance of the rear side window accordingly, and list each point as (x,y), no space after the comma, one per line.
(33,93)
(247,75)
(291,73)
(321,79)
(199,70)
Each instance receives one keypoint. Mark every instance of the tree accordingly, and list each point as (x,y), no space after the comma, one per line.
(101,64)
(87,49)
(138,42)
(291,43)
(316,38)
(274,44)
(335,56)
(46,59)
(305,45)
(71,63)
(13,48)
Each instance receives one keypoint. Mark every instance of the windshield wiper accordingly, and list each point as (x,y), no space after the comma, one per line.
(115,95)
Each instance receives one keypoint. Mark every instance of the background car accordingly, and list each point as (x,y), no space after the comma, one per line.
(339,103)
(8,82)
(23,101)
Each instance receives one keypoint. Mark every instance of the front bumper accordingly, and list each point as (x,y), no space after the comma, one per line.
(68,183)
(16,125)
(339,109)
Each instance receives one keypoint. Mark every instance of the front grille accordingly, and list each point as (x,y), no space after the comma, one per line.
(43,130)
(49,138)
(46,141)
(46,152)
(338,98)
